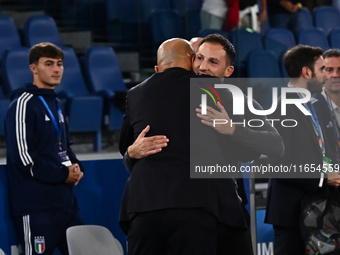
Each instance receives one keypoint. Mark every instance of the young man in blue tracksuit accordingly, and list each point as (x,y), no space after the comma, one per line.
(41,167)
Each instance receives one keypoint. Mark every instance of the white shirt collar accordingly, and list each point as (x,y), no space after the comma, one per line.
(334,106)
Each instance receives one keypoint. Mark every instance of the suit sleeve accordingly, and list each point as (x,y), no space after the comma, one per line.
(126,138)
(290,154)
(264,139)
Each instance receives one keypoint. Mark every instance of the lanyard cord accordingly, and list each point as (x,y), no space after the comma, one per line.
(317,127)
(55,124)
(316,123)
(333,120)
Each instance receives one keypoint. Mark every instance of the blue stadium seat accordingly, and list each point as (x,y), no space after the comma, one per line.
(122,23)
(263,64)
(279,40)
(193,4)
(41,28)
(76,14)
(334,38)
(313,37)
(183,6)
(15,69)
(15,73)
(205,32)
(305,19)
(83,110)
(9,36)
(192,19)
(301,19)
(245,41)
(145,35)
(179,6)
(283,69)
(104,78)
(326,18)
(148,6)
(165,24)
(4,104)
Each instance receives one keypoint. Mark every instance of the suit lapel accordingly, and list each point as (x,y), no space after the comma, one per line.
(307,122)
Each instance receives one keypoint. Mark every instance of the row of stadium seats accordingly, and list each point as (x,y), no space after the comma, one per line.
(36,29)
(44,28)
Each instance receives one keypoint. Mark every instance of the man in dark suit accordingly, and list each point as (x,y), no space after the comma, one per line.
(327,103)
(164,211)
(304,146)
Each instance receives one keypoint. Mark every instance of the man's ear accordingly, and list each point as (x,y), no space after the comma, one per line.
(193,59)
(33,68)
(229,71)
(156,69)
(306,72)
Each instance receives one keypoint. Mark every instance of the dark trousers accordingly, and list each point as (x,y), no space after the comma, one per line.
(232,240)
(183,232)
(175,231)
(288,241)
(42,233)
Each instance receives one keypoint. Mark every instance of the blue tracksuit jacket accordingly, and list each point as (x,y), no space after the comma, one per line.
(35,173)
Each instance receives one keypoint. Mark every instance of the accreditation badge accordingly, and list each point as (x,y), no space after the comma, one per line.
(326,164)
(62,153)
(39,244)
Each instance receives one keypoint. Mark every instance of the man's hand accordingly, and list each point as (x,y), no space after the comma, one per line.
(75,175)
(333,179)
(210,119)
(145,146)
(262,16)
(289,6)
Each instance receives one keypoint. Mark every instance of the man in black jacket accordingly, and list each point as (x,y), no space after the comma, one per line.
(326,104)
(304,146)
(163,210)
(215,58)
(41,166)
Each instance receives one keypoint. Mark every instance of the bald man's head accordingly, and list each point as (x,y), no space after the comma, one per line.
(196,42)
(174,52)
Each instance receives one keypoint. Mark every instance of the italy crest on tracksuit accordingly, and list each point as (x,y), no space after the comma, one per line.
(39,244)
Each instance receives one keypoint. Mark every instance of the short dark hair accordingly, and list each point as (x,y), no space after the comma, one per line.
(331,53)
(44,49)
(300,56)
(226,44)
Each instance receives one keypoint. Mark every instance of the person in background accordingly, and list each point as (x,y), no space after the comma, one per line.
(215,57)
(213,14)
(195,42)
(304,145)
(327,103)
(41,167)
(332,86)
(311,4)
(252,15)
(284,13)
